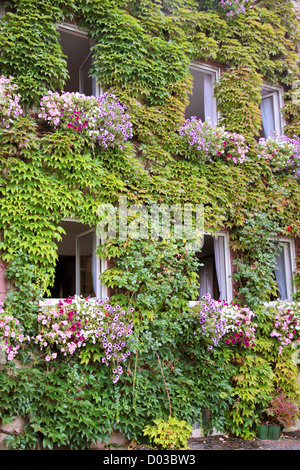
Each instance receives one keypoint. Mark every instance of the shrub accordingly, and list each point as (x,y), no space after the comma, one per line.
(171,434)
(283,410)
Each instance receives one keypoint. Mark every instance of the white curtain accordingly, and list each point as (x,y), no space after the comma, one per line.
(95,261)
(206,277)
(267,114)
(208,98)
(219,249)
(280,277)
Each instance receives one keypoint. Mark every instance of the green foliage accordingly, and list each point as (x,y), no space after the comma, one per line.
(29,285)
(258,376)
(65,406)
(30,50)
(256,265)
(253,386)
(73,404)
(156,275)
(238,95)
(171,434)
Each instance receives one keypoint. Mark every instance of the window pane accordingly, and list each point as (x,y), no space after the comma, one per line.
(77,49)
(65,270)
(85,81)
(268,117)
(201,100)
(85,247)
(283,273)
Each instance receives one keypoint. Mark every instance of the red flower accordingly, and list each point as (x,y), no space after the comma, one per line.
(289,228)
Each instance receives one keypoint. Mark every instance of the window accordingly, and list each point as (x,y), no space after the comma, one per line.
(77,47)
(202,103)
(214,274)
(78,268)
(271,104)
(286,266)
(2,9)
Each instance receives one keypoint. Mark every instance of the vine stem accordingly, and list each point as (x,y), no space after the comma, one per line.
(162,373)
(134,380)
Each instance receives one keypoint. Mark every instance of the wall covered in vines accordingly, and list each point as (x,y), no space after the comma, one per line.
(51,171)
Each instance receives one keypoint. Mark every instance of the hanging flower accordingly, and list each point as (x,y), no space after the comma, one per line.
(76,322)
(233,7)
(103,120)
(220,322)
(10,109)
(207,143)
(282,153)
(11,334)
(286,322)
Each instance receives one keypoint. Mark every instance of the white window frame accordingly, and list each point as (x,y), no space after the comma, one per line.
(290,288)
(276,93)
(73,28)
(101,266)
(227,266)
(215,73)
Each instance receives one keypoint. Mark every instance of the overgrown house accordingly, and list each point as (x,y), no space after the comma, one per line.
(156,103)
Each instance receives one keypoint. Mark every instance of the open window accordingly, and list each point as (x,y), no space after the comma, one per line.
(285,268)
(202,103)
(214,274)
(271,104)
(76,45)
(78,268)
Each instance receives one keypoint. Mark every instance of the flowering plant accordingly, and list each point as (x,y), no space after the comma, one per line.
(211,324)
(220,321)
(282,153)
(239,327)
(9,102)
(103,119)
(234,7)
(11,336)
(282,411)
(76,322)
(287,322)
(209,143)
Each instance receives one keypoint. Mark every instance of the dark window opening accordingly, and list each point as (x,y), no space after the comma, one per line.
(77,47)
(212,273)
(77,266)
